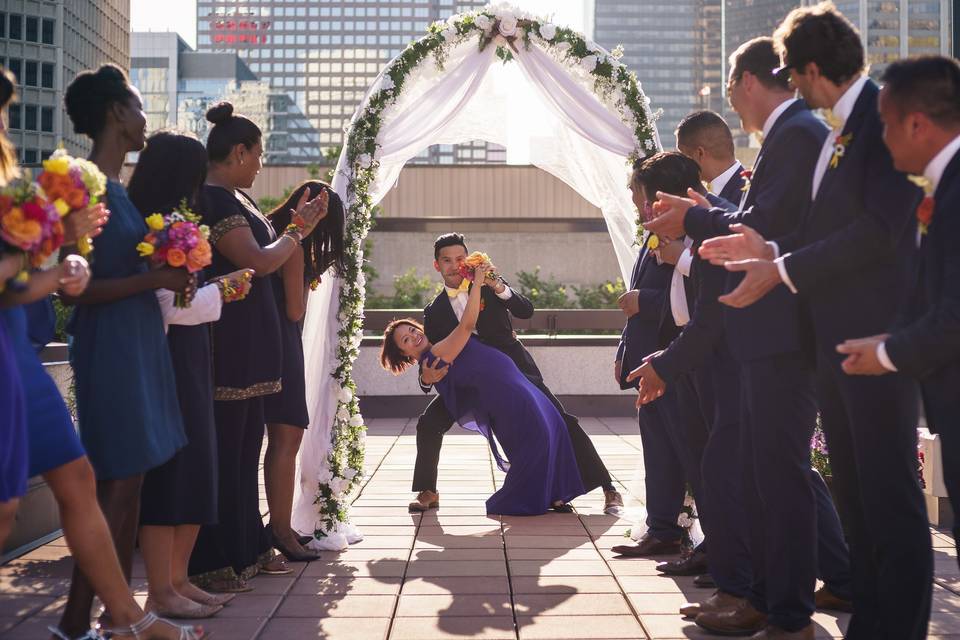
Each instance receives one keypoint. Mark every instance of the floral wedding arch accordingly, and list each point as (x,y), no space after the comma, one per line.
(584,121)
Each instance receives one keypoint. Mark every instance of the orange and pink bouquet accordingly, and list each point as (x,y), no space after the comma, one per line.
(71,184)
(471,262)
(29,223)
(177,240)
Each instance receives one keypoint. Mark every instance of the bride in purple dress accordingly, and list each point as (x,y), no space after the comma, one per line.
(487,393)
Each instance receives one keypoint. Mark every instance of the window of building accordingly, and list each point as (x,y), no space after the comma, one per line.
(46,35)
(15,65)
(30,73)
(46,75)
(13,116)
(3,24)
(46,119)
(31,156)
(33,29)
(45,155)
(16,26)
(30,117)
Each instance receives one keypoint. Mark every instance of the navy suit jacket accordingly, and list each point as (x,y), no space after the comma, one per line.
(701,338)
(494,327)
(854,256)
(650,329)
(928,347)
(775,205)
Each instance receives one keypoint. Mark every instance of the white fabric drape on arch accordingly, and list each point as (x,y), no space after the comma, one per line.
(534,103)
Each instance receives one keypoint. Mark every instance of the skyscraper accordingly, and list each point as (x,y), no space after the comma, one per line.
(325,55)
(45,43)
(179,84)
(674,46)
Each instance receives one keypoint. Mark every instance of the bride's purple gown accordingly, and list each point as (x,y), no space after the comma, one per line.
(486,392)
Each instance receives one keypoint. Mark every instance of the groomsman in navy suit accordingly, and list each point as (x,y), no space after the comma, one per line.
(788,519)
(668,461)
(920,109)
(705,137)
(852,261)
(700,350)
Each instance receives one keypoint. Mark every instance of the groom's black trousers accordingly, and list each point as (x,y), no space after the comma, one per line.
(436,421)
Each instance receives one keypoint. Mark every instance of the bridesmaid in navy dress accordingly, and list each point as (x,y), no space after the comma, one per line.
(486,392)
(286,412)
(247,353)
(126,397)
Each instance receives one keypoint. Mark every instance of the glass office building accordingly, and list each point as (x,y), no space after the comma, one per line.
(324,55)
(45,43)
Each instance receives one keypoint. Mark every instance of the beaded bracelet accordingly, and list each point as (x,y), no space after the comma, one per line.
(294,232)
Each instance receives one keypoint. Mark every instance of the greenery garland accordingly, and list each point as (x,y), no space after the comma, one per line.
(611,82)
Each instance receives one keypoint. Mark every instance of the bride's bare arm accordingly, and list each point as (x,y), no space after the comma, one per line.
(451,346)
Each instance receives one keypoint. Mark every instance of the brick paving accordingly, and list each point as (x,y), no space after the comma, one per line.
(456,573)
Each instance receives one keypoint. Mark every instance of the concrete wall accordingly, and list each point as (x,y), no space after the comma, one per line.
(582,258)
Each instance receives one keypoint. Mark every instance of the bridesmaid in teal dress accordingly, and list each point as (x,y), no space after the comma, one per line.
(129,419)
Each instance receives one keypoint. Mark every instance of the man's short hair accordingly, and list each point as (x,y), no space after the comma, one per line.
(929,85)
(822,35)
(448,240)
(759,58)
(708,130)
(670,172)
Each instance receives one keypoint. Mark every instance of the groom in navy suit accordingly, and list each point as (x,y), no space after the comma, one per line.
(771,339)
(852,261)
(920,109)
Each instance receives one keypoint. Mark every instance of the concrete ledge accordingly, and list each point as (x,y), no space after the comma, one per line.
(412,406)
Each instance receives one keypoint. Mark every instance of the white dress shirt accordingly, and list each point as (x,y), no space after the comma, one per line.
(718,183)
(775,115)
(205,307)
(841,110)
(678,295)
(933,172)
(459,303)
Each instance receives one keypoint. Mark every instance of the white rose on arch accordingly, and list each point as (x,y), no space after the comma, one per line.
(484,22)
(563,48)
(548,32)
(589,63)
(345,395)
(365,161)
(508,25)
(449,34)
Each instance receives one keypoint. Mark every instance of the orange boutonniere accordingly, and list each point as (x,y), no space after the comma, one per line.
(839,149)
(483,304)
(747,175)
(925,214)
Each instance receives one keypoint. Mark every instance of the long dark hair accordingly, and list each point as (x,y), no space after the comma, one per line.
(323,248)
(171,168)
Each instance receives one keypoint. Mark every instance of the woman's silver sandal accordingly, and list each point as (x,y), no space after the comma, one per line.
(139,628)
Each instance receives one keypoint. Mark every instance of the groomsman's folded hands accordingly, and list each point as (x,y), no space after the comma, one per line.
(863,356)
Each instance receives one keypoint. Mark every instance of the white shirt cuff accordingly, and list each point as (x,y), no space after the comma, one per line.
(884,358)
(782,269)
(684,262)
(205,307)
(775,247)
(506,294)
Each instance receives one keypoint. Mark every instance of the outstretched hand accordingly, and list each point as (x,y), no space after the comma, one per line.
(862,358)
(743,244)
(761,277)
(311,212)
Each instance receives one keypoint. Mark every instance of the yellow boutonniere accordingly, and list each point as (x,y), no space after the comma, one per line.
(839,149)
(653,241)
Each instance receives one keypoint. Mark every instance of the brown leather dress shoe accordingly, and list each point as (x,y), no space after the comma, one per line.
(736,622)
(425,501)
(772,632)
(829,601)
(612,503)
(719,601)
(648,546)
(693,565)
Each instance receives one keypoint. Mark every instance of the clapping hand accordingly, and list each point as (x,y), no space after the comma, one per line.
(862,356)
(652,385)
(743,244)
(310,212)
(74,275)
(671,212)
